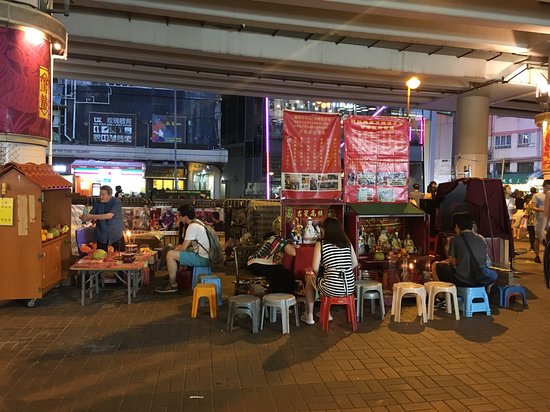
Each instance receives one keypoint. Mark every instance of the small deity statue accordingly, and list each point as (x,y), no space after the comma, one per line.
(371,241)
(296,232)
(396,242)
(318,231)
(409,244)
(310,234)
(383,240)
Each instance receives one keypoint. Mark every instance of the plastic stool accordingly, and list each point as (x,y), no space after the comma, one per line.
(282,301)
(216,281)
(244,304)
(362,287)
(197,271)
(328,301)
(159,258)
(400,289)
(204,290)
(507,291)
(468,306)
(433,288)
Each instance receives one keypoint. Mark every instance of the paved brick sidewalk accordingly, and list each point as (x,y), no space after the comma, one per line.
(150,356)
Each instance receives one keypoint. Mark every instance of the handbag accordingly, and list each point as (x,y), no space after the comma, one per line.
(483,274)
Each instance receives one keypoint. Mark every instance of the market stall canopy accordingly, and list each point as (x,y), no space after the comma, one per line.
(42,175)
(483,198)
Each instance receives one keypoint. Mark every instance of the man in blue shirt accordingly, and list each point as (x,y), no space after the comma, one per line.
(109,222)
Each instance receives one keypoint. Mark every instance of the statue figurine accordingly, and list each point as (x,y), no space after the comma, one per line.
(383,240)
(310,234)
(371,241)
(296,232)
(409,244)
(318,231)
(396,242)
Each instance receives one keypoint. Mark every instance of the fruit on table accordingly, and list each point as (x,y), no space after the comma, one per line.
(379,256)
(54,232)
(49,235)
(99,254)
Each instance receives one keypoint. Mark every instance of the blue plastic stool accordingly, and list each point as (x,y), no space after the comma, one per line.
(507,291)
(467,304)
(199,270)
(216,281)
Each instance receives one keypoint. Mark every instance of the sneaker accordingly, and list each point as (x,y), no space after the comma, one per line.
(168,288)
(537,259)
(440,303)
(307,320)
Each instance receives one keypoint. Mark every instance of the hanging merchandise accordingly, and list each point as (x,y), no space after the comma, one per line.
(310,166)
(376,159)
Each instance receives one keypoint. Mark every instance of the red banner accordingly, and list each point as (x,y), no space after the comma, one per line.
(546,150)
(24,84)
(310,167)
(376,159)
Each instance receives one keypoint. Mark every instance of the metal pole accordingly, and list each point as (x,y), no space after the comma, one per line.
(175,142)
(408,100)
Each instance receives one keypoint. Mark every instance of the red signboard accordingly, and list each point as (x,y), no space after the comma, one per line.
(546,150)
(25,83)
(376,159)
(310,167)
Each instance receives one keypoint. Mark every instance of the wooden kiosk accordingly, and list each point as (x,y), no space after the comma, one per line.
(32,197)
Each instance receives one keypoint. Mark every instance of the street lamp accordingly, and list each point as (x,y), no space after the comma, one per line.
(412,83)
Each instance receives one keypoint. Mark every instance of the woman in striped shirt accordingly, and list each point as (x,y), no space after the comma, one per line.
(336,256)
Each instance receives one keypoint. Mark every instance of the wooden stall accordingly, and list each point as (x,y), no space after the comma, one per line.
(33,197)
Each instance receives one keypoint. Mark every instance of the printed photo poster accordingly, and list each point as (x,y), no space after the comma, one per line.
(310,166)
(376,159)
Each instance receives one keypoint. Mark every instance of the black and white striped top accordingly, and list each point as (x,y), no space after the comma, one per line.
(338,278)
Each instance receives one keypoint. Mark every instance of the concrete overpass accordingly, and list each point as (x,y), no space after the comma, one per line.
(354,50)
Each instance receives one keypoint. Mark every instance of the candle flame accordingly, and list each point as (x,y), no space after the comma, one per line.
(411,266)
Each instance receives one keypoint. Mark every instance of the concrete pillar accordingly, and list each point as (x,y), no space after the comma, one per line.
(470,143)
(27,38)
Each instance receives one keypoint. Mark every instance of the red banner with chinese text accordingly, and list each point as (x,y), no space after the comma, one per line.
(546,151)
(25,84)
(376,159)
(310,167)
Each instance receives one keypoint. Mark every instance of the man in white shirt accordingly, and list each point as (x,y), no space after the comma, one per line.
(192,252)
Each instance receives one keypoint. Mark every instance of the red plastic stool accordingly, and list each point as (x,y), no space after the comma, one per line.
(432,245)
(328,301)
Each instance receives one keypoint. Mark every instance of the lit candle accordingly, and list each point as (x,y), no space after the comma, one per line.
(129,236)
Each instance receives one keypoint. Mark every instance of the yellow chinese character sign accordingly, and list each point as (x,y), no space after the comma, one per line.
(44,93)
(6,212)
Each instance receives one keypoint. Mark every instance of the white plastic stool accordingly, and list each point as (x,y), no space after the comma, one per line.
(433,288)
(400,289)
(282,301)
(365,286)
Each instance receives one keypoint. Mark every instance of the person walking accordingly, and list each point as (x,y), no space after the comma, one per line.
(538,202)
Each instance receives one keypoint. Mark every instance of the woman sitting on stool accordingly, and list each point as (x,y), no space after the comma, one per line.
(335,253)
(456,269)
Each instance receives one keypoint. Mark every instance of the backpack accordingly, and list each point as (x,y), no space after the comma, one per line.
(215,252)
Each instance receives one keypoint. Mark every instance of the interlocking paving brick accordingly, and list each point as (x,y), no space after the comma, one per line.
(151,356)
